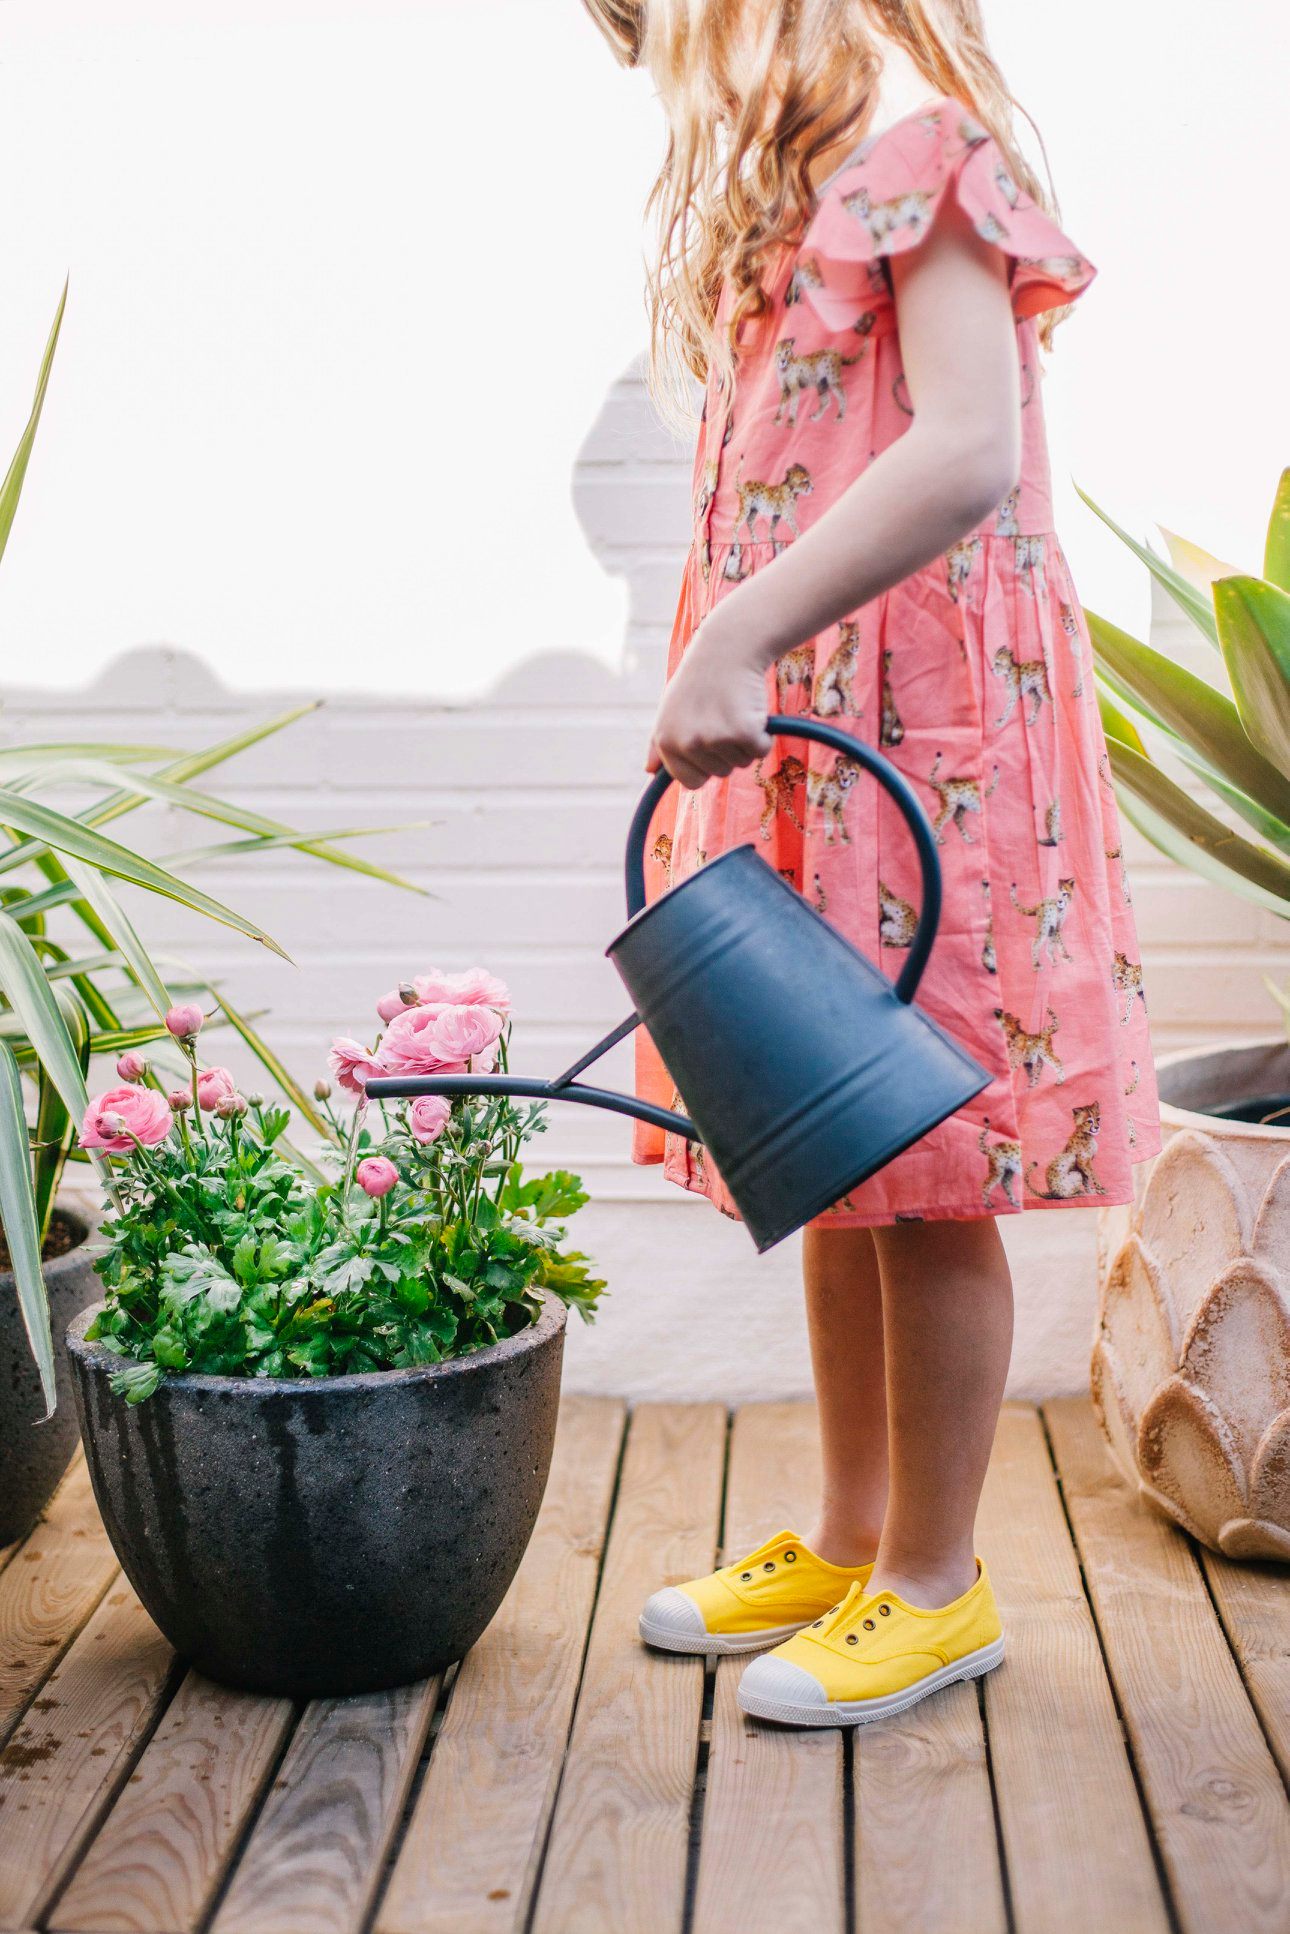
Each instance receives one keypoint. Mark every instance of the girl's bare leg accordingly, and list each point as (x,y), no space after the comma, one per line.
(947,1330)
(844,1314)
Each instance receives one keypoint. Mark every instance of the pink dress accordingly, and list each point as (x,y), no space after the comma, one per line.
(974,676)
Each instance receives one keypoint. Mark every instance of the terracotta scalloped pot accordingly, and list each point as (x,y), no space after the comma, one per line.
(329,1535)
(1191,1361)
(36,1450)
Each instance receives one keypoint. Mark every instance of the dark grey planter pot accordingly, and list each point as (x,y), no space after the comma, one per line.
(328,1535)
(34,1453)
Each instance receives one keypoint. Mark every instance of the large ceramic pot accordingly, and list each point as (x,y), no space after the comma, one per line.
(35,1451)
(1191,1363)
(331,1535)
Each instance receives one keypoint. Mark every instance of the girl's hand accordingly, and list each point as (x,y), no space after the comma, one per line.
(713,714)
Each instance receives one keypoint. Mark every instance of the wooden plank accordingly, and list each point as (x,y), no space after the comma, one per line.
(159,1857)
(1254,1604)
(316,1855)
(475,1835)
(1211,1785)
(619,1842)
(772,1852)
(47,1591)
(1077,1848)
(61,1769)
(926,1849)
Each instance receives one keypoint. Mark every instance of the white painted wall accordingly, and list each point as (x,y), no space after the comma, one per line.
(261,393)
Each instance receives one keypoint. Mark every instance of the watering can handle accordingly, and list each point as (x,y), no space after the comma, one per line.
(884,772)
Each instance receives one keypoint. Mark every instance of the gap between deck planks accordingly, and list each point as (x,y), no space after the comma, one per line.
(560,1786)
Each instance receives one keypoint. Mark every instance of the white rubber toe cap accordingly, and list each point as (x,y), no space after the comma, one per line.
(774,1688)
(672,1619)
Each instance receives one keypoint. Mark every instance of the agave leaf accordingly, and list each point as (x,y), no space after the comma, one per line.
(84,964)
(21,1226)
(95,889)
(1276,549)
(312,843)
(1199,566)
(1274,830)
(1198,608)
(1117,724)
(55,1128)
(301,1161)
(69,836)
(270,1063)
(11,489)
(117,1040)
(1203,720)
(1254,627)
(1186,832)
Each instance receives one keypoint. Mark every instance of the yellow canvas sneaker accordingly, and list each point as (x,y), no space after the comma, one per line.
(764,1598)
(873,1655)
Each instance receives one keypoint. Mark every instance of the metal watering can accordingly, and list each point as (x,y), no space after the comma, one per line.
(804,1068)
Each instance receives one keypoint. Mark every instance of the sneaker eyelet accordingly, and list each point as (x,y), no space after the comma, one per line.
(868,1625)
(769,1565)
(884,1611)
(852,1639)
(790,1557)
(745,1576)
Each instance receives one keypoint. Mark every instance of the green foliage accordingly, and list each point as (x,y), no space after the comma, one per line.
(225,1259)
(54,1015)
(1233,734)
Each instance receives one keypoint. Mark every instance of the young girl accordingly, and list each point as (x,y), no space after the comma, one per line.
(860,264)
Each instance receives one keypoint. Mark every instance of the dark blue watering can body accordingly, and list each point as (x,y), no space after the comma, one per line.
(803,1068)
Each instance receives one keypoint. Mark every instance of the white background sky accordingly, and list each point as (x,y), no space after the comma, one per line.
(351,277)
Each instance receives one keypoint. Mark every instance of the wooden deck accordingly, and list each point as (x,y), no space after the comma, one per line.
(1123,1773)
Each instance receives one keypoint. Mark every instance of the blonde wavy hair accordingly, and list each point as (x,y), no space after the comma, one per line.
(754,92)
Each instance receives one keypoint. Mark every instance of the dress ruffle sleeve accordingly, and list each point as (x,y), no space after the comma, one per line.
(886,202)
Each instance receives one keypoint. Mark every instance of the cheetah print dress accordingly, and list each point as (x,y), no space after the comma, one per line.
(974,676)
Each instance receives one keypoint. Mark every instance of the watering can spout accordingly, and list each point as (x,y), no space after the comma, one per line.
(797,1100)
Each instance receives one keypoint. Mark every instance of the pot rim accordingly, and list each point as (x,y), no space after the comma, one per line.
(555,1315)
(84,1249)
(1220,1124)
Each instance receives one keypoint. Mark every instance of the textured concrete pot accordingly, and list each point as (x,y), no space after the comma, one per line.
(325,1536)
(35,1453)
(1191,1363)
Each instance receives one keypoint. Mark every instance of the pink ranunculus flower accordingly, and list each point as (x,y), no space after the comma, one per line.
(213,1084)
(443,1038)
(352,1064)
(179,1101)
(132,1066)
(476,987)
(428,1117)
(185,1021)
(376,1176)
(115,1121)
(404,995)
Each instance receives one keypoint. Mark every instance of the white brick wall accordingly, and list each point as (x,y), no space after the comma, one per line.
(527,795)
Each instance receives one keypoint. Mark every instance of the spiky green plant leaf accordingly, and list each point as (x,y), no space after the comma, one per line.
(1276,549)
(11,489)
(95,889)
(1197,607)
(1204,721)
(1177,826)
(21,1225)
(1254,630)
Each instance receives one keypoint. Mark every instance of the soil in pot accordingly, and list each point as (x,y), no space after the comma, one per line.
(35,1452)
(325,1536)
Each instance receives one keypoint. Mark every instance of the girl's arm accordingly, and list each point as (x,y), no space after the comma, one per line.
(955,464)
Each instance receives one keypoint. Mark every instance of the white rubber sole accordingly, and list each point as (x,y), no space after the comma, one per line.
(858,1712)
(714,1645)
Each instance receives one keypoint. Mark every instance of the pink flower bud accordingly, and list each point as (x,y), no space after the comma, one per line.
(132,1066)
(213,1084)
(376,1176)
(230,1107)
(180,1101)
(322,1091)
(428,1117)
(185,1022)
